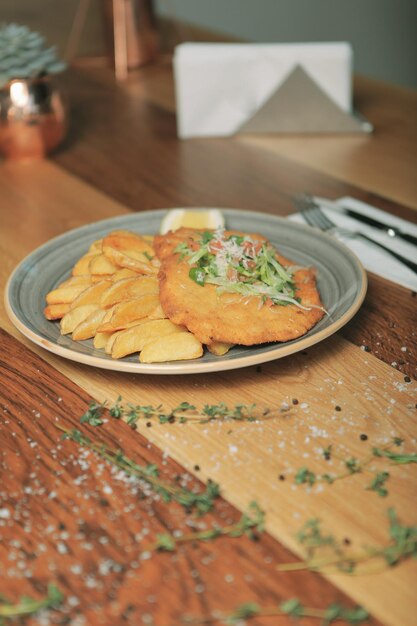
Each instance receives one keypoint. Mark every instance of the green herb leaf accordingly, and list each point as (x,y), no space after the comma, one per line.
(197,276)
(292,607)
(378,482)
(304,475)
(93,416)
(244,611)
(165,542)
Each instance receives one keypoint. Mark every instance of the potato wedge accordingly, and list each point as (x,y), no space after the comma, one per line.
(133,259)
(75,316)
(81,279)
(134,339)
(101,265)
(100,340)
(56,311)
(95,246)
(124,272)
(125,240)
(92,295)
(129,288)
(158,313)
(97,278)
(82,266)
(111,337)
(218,348)
(174,347)
(67,291)
(127,312)
(88,327)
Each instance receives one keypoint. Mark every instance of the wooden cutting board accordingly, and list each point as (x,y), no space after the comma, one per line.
(341,393)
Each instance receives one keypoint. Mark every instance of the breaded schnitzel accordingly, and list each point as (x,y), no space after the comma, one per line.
(232,287)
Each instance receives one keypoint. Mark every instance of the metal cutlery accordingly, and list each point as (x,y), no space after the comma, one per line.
(389,229)
(315,217)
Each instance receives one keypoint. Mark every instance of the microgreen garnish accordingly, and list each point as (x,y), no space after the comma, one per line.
(249,523)
(324,551)
(306,476)
(239,264)
(28,606)
(292,607)
(182,413)
(202,502)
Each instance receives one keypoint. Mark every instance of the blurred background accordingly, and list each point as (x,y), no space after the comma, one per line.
(382,32)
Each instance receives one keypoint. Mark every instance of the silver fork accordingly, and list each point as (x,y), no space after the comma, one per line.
(314,216)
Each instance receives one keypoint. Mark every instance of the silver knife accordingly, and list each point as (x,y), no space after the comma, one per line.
(391,231)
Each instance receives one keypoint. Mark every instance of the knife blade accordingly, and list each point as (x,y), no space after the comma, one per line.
(392,231)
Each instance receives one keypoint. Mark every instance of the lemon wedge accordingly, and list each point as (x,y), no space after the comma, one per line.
(191,218)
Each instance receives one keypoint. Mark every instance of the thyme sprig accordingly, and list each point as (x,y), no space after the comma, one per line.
(94,414)
(202,502)
(402,544)
(249,524)
(28,606)
(292,607)
(304,475)
(185,412)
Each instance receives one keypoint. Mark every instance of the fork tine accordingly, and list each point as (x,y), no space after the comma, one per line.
(314,218)
(308,218)
(312,212)
(320,219)
(323,219)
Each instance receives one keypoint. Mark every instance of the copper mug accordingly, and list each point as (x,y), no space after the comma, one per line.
(33,118)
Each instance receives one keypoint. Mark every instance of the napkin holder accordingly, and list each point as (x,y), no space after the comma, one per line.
(299,104)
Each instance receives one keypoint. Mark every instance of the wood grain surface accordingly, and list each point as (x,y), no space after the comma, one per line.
(70,520)
(123,140)
(74,522)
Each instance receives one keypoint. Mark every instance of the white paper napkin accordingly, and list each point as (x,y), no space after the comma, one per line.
(373,258)
(220,86)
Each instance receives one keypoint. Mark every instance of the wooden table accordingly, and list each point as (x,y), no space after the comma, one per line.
(66,517)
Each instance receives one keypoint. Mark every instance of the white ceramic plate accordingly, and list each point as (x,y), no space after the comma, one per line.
(341,281)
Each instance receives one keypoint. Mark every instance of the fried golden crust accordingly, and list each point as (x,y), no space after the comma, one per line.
(230,318)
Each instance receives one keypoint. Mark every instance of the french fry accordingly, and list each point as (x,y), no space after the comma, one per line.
(75,316)
(91,295)
(218,348)
(129,288)
(127,312)
(56,311)
(88,327)
(174,347)
(134,339)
